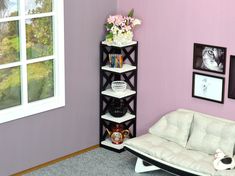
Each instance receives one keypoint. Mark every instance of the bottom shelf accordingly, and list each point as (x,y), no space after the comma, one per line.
(107,142)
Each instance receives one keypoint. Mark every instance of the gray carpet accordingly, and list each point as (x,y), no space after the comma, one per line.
(98,162)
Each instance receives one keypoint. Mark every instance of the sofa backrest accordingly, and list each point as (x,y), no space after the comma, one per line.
(209,116)
(209,133)
(174,126)
(197,131)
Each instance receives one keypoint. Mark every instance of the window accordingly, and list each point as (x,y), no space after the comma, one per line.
(31,57)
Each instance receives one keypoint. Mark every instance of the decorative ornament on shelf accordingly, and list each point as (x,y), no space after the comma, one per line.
(118,133)
(118,86)
(116,60)
(117,108)
(120,29)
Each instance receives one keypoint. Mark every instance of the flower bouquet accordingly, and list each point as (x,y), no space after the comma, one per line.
(120,28)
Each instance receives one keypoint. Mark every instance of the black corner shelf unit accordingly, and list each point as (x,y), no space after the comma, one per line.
(127,73)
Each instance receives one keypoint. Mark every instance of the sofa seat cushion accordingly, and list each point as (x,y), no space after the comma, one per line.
(225,173)
(209,133)
(176,122)
(173,153)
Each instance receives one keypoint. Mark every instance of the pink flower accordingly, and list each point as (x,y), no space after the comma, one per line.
(119,19)
(120,25)
(111,19)
(127,28)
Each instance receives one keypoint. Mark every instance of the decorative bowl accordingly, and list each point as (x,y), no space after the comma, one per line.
(118,86)
(117,108)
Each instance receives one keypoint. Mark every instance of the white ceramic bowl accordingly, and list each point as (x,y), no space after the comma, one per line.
(118,86)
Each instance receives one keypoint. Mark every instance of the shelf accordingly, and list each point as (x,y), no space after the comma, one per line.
(111,93)
(108,74)
(108,142)
(125,118)
(115,45)
(125,68)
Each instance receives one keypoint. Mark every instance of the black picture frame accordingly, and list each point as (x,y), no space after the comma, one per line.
(209,58)
(208,87)
(231,84)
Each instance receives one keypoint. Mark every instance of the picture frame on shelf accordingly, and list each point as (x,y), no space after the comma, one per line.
(231,84)
(208,87)
(209,58)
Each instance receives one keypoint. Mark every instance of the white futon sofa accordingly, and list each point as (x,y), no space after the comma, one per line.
(184,142)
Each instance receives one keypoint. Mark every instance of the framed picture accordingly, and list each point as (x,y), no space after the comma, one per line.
(231,84)
(208,87)
(209,58)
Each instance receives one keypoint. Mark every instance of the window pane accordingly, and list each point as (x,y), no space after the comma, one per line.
(39,35)
(9,42)
(38,6)
(40,80)
(10,87)
(8,8)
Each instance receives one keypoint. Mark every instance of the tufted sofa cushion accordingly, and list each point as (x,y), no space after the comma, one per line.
(173,153)
(176,122)
(209,134)
(225,173)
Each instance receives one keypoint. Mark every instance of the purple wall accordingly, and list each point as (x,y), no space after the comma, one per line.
(166,40)
(34,140)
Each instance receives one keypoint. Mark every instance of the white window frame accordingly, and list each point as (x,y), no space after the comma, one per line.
(58,100)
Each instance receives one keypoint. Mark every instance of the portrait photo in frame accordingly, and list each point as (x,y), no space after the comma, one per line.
(209,58)
(208,87)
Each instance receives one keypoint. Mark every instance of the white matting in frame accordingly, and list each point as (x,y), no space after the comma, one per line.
(208,87)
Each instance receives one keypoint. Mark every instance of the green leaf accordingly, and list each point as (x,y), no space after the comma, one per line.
(109,35)
(108,26)
(131,13)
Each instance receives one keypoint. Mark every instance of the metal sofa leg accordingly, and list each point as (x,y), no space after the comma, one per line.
(140,167)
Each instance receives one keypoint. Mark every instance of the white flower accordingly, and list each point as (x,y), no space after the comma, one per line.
(114,29)
(136,22)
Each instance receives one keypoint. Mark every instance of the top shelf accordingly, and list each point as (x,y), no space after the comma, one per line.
(125,68)
(115,45)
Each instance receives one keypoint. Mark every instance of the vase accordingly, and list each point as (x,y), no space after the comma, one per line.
(123,38)
(117,108)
